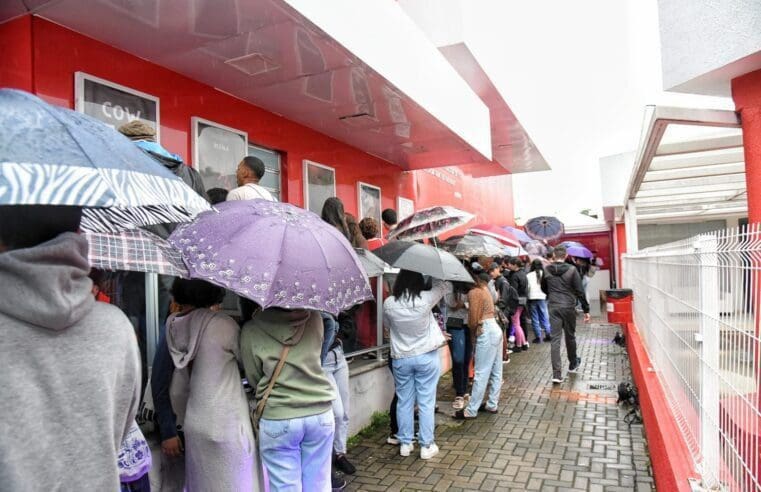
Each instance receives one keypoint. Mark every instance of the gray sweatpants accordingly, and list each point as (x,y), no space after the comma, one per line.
(562,321)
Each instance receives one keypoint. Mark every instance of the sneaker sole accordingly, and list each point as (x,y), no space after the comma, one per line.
(428,457)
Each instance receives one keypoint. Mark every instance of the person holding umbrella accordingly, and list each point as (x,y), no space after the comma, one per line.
(415,340)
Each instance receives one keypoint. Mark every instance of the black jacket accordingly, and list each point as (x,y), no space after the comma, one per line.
(519,281)
(508,297)
(562,284)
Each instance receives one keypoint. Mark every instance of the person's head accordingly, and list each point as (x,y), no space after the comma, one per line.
(408,284)
(550,254)
(216,195)
(196,293)
(26,226)
(512,263)
(494,270)
(355,235)
(537,265)
(369,228)
(482,279)
(138,130)
(559,253)
(250,170)
(98,278)
(333,213)
(389,217)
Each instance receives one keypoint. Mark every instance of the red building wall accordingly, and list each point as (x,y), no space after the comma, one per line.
(746,92)
(42,57)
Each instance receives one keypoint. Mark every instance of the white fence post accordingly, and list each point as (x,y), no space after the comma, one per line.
(710,348)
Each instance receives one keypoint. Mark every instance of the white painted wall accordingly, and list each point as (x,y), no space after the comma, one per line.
(384,37)
(706,43)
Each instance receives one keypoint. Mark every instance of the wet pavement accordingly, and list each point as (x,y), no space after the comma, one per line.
(571,436)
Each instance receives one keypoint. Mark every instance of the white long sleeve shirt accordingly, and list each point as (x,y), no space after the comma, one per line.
(413,329)
(535,291)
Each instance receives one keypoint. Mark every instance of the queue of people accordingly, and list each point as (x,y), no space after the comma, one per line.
(257,403)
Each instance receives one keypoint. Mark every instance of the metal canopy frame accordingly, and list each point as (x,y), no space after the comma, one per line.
(699,177)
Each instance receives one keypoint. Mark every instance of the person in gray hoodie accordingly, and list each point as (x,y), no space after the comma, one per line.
(297,425)
(207,392)
(562,284)
(70,384)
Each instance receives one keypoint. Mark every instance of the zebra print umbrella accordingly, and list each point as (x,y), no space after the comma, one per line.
(55,156)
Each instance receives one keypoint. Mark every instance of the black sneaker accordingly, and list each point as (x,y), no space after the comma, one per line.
(547,338)
(337,482)
(536,340)
(575,366)
(344,464)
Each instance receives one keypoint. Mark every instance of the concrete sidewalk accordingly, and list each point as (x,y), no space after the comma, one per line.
(570,436)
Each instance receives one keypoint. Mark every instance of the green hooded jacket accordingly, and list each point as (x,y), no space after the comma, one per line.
(302,389)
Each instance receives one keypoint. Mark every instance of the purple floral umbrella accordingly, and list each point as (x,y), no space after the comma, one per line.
(275,254)
(430,222)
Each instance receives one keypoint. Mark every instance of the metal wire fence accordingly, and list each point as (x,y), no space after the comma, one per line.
(696,306)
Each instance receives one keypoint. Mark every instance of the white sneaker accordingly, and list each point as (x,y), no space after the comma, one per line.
(392,440)
(406,449)
(557,380)
(429,452)
(458,403)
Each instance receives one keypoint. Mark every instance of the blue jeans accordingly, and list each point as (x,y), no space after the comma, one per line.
(330,327)
(337,370)
(416,379)
(297,452)
(461,351)
(488,368)
(540,317)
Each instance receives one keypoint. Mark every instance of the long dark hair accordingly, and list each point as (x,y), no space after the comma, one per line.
(333,213)
(408,284)
(538,267)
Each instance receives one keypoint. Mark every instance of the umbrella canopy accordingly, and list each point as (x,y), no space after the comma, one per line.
(372,265)
(514,251)
(275,254)
(568,244)
(430,222)
(519,234)
(423,259)
(497,233)
(473,245)
(135,250)
(55,156)
(536,248)
(544,228)
(579,252)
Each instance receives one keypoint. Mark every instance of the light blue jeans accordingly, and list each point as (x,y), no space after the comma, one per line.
(297,453)
(540,317)
(337,370)
(416,379)
(488,368)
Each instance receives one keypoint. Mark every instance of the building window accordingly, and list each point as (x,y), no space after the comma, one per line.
(271,159)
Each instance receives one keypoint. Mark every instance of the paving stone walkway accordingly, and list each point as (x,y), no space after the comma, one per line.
(570,436)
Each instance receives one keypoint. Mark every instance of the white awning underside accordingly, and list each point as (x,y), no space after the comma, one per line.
(697,176)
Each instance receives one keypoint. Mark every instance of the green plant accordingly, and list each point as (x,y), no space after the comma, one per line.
(379,420)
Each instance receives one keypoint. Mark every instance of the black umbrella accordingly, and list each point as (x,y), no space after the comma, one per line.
(423,259)
(544,228)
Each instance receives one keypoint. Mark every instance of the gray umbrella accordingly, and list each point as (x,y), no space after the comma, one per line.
(473,245)
(373,265)
(423,259)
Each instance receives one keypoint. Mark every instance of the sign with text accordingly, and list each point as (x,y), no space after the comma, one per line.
(114,104)
(217,151)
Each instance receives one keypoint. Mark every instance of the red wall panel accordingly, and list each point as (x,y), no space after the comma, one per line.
(746,92)
(16,53)
(58,53)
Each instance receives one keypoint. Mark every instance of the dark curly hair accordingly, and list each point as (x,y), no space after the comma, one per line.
(196,292)
(369,227)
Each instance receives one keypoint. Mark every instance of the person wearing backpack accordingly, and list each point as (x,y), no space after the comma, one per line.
(562,284)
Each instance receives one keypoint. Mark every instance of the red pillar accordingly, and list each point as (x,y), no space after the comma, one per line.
(746,92)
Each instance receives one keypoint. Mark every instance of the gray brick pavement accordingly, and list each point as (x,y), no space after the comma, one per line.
(548,438)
